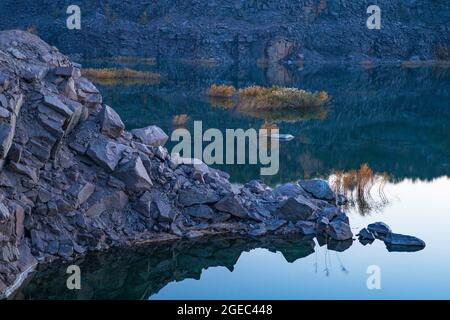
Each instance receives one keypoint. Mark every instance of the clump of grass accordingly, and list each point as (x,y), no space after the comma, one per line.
(221,91)
(180,120)
(116,73)
(261,98)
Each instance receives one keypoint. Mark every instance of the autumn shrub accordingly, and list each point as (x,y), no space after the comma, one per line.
(222,91)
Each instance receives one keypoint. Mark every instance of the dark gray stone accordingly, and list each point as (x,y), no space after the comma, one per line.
(295,209)
(105,153)
(151,135)
(189,197)
(134,175)
(396,239)
(340,231)
(111,124)
(379,229)
(366,234)
(232,204)
(306,227)
(318,188)
(200,211)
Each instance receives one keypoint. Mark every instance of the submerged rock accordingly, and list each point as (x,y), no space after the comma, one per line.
(396,240)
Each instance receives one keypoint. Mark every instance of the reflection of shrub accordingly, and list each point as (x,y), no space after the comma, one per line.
(124,73)
(269,127)
(222,102)
(180,120)
(260,98)
(357,186)
(223,91)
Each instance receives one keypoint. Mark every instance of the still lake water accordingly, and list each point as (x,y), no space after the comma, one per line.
(397,120)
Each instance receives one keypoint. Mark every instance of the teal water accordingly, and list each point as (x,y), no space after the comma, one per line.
(395,119)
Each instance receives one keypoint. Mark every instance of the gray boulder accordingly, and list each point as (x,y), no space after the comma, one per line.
(339,230)
(200,211)
(151,135)
(318,188)
(105,153)
(306,227)
(134,175)
(232,204)
(191,196)
(365,234)
(379,229)
(111,124)
(295,209)
(396,239)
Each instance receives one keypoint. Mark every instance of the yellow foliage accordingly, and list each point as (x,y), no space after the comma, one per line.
(223,91)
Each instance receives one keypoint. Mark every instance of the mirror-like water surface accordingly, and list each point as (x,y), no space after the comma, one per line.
(395,120)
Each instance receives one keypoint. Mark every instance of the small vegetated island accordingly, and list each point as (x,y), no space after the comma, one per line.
(73,180)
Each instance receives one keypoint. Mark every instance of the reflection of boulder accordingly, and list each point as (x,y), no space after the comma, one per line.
(141,272)
(278,74)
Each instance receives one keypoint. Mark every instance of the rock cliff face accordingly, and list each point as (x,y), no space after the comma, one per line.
(74,180)
(241,30)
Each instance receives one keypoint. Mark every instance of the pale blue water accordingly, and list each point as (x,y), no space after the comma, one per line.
(396,120)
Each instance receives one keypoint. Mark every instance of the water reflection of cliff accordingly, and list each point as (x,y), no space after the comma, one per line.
(397,120)
(141,272)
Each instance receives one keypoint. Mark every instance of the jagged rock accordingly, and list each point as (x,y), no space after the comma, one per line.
(200,211)
(82,192)
(24,170)
(232,204)
(397,240)
(56,104)
(322,225)
(295,209)
(15,152)
(192,196)
(339,230)
(318,188)
(111,124)
(65,72)
(151,135)
(4,213)
(379,229)
(4,113)
(134,175)
(17,54)
(144,205)
(105,153)
(6,138)
(290,190)
(366,235)
(306,227)
(101,202)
